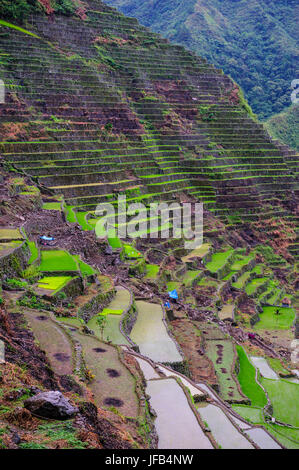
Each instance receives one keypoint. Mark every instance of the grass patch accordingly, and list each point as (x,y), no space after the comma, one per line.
(285,435)
(189,277)
(62,431)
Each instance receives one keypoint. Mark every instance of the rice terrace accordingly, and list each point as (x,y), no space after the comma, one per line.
(170,322)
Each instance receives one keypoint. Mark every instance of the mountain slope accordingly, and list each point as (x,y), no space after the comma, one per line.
(284,126)
(97,106)
(122,111)
(254,41)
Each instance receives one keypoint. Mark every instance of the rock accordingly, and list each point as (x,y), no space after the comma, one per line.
(16,438)
(34,390)
(51,405)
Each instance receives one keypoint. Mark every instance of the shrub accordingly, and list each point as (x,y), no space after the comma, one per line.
(18,9)
(15,283)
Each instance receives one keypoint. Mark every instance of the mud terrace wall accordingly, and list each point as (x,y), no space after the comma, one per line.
(14,263)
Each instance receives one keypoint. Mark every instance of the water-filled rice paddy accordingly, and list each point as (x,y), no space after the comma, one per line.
(150,333)
(225,433)
(262,365)
(262,438)
(113,313)
(176,424)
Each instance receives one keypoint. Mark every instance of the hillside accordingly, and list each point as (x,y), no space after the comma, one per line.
(96,107)
(256,42)
(284,126)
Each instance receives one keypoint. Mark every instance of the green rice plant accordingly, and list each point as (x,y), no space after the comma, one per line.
(53,282)
(284,397)
(246,377)
(34,252)
(276,318)
(57,260)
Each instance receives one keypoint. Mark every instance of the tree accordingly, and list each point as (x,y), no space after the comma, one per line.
(102,322)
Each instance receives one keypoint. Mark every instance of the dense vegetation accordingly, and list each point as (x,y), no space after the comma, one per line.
(19,10)
(284,126)
(255,42)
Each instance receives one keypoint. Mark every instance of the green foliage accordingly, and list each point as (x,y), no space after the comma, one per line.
(16,283)
(31,445)
(268,254)
(64,7)
(17,10)
(62,431)
(31,273)
(285,126)
(101,322)
(255,42)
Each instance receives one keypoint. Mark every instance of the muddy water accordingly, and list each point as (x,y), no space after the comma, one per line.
(264,368)
(262,439)
(176,424)
(222,429)
(150,333)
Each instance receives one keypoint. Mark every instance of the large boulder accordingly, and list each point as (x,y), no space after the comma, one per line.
(51,405)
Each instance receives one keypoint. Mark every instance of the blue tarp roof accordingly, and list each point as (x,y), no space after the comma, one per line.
(173,294)
(48,239)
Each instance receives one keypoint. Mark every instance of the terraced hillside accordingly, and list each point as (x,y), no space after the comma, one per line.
(122,111)
(97,106)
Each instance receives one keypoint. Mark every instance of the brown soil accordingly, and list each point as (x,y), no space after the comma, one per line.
(200,366)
